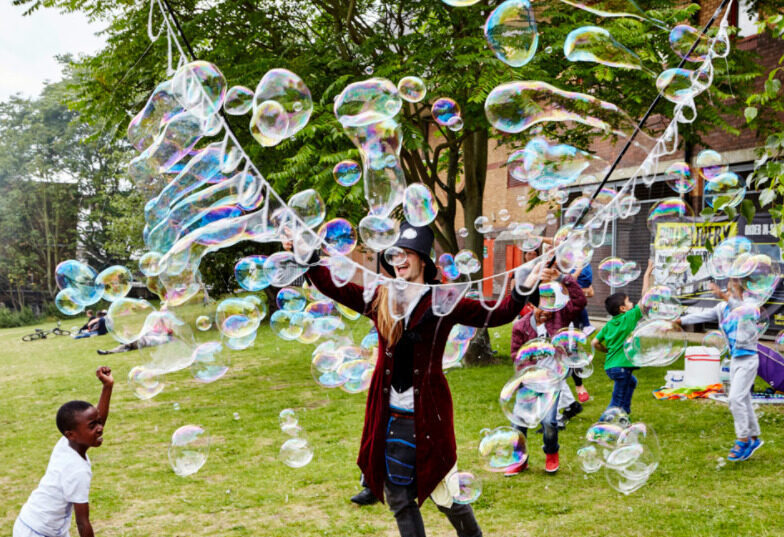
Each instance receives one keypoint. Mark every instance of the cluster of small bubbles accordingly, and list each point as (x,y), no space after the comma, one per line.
(616,272)
(189,449)
(597,45)
(412,89)
(502,448)
(510,31)
(239,101)
(467,487)
(347,172)
(338,236)
(283,96)
(78,286)
(445,112)
(467,262)
(483,225)
(679,177)
(419,205)
(629,452)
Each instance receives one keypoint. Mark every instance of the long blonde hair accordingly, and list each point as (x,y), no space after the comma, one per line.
(388,328)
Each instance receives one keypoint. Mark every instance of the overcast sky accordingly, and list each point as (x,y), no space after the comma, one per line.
(29,44)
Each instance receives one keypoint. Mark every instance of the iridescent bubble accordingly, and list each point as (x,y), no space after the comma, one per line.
(367,102)
(369,70)
(144,383)
(239,100)
(308,206)
(573,250)
(668,211)
(709,164)
(515,106)
(347,172)
(605,434)
(291,299)
(656,342)
(203,323)
(395,256)
(545,166)
(209,362)
(271,120)
(126,318)
(679,177)
(378,233)
(357,375)
(463,232)
(116,281)
(200,88)
(468,486)
(460,3)
(590,460)
(236,317)
(66,303)
(159,109)
(683,36)
(746,320)
(296,452)
(611,271)
(676,85)
(552,296)
(723,262)
(456,125)
(339,237)
(289,91)
(503,447)
(190,446)
(532,352)
(571,347)
(467,262)
(419,205)
(483,225)
(510,31)
(249,273)
(324,368)
(659,302)
(445,111)
(524,406)
(149,264)
(446,262)
(614,8)
(81,278)
(503,215)
(724,190)
(282,268)
(594,44)
(716,340)
(288,325)
(412,89)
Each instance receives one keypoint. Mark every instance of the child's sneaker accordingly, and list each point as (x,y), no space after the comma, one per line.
(739,452)
(551,463)
(754,445)
(516,468)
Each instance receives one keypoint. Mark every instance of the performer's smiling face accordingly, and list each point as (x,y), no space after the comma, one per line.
(412,268)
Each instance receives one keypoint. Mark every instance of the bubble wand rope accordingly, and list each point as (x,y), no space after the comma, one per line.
(638,128)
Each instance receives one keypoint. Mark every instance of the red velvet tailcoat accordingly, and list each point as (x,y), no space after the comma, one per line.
(436,451)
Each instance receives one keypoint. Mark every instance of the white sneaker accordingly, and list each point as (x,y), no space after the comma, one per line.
(588,330)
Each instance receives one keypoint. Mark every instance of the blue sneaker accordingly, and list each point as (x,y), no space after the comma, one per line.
(754,445)
(739,452)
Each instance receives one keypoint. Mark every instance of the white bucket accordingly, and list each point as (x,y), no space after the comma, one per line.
(674,379)
(703,366)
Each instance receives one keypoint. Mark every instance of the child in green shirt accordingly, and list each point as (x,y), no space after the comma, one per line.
(611,338)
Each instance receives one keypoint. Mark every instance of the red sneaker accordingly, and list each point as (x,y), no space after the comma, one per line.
(583,396)
(516,468)
(551,463)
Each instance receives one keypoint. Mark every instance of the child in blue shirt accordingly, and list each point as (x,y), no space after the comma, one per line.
(742,335)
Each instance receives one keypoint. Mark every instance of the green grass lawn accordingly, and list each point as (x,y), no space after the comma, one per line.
(244,490)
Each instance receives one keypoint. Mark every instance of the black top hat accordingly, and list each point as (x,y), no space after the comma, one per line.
(419,240)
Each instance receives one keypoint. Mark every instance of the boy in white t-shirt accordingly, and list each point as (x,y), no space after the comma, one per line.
(65,486)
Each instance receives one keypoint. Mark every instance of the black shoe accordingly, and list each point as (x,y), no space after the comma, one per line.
(102,352)
(365,497)
(572,410)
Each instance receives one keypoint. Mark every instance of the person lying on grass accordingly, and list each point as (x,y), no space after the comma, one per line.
(65,486)
(408,447)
